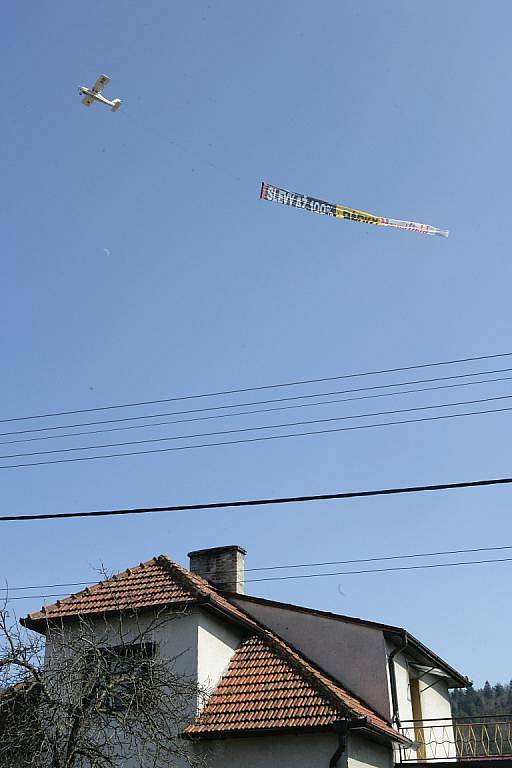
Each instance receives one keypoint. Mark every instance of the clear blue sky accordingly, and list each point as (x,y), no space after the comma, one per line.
(138,263)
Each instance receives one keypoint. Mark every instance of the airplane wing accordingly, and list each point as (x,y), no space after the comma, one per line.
(87,100)
(101,83)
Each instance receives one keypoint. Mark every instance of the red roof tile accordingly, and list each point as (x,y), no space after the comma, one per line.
(159,581)
(269,686)
(262,690)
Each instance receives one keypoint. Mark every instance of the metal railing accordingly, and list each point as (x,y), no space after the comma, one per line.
(462,738)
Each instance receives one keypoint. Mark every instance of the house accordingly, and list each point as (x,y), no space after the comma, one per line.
(288,686)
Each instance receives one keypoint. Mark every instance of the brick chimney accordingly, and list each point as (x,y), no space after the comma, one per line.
(221,566)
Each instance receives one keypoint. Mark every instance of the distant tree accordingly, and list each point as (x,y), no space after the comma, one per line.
(482,702)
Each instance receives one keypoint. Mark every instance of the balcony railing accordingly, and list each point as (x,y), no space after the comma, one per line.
(457,739)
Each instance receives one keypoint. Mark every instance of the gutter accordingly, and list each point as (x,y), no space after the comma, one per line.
(392,678)
(342,728)
(459,680)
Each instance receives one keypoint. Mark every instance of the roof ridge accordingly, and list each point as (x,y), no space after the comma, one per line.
(303,667)
(330,614)
(192,580)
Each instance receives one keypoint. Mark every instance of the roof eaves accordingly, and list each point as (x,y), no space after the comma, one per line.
(191,735)
(193,732)
(42,624)
(460,680)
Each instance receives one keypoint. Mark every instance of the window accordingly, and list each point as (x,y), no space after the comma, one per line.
(125,675)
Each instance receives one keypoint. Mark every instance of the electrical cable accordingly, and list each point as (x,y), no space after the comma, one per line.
(227,415)
(381,570)
(258,428)
(349,562)
(319,575)
(253,439)
(262,502)
(295,565)
(293,383)
(49,586)
(278,400)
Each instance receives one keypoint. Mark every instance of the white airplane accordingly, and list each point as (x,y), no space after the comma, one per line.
(94,93)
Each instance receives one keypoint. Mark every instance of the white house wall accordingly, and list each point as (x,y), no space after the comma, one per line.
(436,709)
(294,751)
(435,699)
(174,634)
(362,753)
(274,751)
(216,644)
(200,644)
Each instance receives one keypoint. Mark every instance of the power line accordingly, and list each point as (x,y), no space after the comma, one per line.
(48,586)
(253,439)
(257,428)
(348,562)
(293,383)
(292,565)
(237,413)
(380,570)
(263,502)
(34,597)
(319,575)
(280,400)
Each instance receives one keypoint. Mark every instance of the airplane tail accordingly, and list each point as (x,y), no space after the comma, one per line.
(117,103)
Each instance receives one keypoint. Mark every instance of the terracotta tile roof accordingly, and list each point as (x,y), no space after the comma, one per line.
(268,683)
(261,690)
(268,686)
(158,581)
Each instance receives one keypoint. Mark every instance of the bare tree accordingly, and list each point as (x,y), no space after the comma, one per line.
(97,694)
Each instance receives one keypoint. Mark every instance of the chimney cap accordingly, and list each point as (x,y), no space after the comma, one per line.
(213,550)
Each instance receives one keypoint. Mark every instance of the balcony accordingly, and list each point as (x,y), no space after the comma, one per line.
(459,740)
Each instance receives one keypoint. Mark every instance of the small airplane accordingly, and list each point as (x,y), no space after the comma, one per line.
(94,93)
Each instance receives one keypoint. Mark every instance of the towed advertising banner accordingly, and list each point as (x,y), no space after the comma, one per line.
(313,204)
